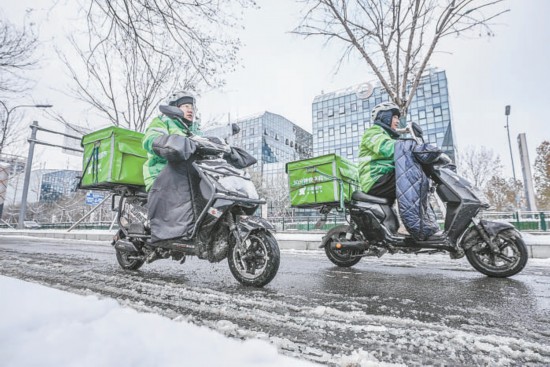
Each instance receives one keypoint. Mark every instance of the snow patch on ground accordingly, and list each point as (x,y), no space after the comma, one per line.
(41,326)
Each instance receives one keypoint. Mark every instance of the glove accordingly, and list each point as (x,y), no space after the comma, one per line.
(174,148)
(239,158)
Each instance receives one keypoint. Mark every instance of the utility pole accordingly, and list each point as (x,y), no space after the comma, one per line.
(32,141)
(23,209)
(507,113)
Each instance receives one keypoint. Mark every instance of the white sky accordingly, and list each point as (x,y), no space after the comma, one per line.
(282,73)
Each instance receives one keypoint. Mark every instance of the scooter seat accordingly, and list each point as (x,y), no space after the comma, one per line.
(361,196)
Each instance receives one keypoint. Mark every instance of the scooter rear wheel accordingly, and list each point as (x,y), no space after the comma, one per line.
(126,262)
(342,258)
(510,260)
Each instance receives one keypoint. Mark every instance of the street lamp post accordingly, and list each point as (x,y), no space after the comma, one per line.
(507,113)
(10,110)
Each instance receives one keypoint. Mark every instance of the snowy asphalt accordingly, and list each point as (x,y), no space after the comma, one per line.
(402,309)
(538,244)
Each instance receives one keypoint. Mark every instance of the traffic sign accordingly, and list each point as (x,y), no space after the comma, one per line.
(93,198)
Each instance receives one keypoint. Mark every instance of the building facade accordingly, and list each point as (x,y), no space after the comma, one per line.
(340,117)
(273,140)
(57,184)
(44,185)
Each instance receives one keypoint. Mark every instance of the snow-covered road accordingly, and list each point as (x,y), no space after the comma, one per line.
(412,310)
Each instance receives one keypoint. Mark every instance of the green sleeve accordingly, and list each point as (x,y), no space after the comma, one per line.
(380,143)
(154,130)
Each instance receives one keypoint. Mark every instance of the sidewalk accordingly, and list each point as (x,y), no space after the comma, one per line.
(538,244)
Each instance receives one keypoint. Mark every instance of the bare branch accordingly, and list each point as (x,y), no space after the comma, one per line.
(396,38)
(16,55)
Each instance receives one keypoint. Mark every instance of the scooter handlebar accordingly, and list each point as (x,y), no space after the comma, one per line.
(210,145)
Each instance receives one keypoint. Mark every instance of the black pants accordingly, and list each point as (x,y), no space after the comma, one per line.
(384,187)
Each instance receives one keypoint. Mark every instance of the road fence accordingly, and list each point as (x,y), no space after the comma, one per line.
(523,221)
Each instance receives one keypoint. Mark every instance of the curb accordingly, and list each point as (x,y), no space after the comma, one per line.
(286,240)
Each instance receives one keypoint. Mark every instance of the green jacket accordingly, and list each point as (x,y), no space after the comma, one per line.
(375,156)
(161,125)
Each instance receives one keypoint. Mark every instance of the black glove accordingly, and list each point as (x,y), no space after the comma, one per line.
(239,158)
(417,130)
(174,147)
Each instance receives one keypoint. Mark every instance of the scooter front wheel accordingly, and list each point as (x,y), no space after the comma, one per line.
(256,262)
(510,260)
(342,258)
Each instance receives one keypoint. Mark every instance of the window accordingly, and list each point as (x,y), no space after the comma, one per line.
(437,111)
(330,112)
(342,110)
(319,134)
(292,143)
(420,92)
(354,127)
(435,88)
(421,114)
(343,129)
(276,136)
(331,131)
(286,142)
(265,132)
(353,107)
(319,114)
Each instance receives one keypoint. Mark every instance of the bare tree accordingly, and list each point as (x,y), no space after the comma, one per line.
(197,29)
(137,51)
(16,55)
(10,129)
(502,192)
(479,165)
(396,38)
(542,175)
(119,86)
(275,190)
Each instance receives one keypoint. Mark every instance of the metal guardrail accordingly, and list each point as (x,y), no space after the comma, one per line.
(523,221)
(67,225)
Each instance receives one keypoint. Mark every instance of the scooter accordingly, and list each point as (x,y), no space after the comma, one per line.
(495,249)
(225,228)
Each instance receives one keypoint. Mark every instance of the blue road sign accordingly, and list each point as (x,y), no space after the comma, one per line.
(93,198)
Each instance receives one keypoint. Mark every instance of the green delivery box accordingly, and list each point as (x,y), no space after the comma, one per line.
(113,156)
(328,179)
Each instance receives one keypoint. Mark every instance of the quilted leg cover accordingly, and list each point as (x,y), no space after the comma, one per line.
(412,187)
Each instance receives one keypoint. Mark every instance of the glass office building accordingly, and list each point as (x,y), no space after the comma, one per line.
(273,140)
(58,184)
(340,117)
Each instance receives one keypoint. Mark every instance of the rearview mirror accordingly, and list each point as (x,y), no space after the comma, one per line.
(235,129)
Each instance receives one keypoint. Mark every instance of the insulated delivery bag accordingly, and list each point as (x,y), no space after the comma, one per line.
(113,156)
(324,180)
